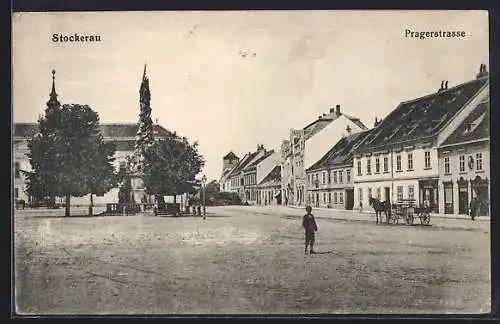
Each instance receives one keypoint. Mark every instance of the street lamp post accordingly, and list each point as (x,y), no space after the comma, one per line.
(203,180)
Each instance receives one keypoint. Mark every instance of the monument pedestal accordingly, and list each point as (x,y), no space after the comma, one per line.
(138,191)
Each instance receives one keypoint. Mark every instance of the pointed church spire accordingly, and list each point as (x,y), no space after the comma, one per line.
(144,75)
(53,102)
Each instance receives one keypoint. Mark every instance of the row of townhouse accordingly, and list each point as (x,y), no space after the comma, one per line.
(255,178)
(434,148)
(329,181)
(280,178)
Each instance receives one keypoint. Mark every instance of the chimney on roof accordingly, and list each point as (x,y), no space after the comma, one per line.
(332,110)
(444,85)
(337,110)
(483,71)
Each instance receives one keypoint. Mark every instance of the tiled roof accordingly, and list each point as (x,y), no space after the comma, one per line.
(272,179)
(316,126)
(225,173)
(107,130)
(341,152)
(320,123)
(356,121)
(253,164)
(421,118)
(475,126)
(243,163)
(230,156)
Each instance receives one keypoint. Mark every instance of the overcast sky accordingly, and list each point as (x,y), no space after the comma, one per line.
(231,80)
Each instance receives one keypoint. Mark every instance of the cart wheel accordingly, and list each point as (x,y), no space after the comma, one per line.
(425,218)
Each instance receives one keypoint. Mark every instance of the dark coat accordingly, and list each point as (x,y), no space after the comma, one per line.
(309,223)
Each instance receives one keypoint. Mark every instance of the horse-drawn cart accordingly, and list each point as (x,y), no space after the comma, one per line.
(406,209)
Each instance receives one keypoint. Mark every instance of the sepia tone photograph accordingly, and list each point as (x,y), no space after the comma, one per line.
(251,163)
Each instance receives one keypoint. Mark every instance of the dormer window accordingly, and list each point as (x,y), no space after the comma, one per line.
(469,127)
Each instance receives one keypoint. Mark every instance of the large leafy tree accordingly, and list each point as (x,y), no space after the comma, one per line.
(171,166)
(68,155)
(101,176)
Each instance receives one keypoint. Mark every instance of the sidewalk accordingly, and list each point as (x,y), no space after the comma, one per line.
(450,216)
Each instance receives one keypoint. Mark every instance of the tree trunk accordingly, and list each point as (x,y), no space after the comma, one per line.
(67,205)
(91,204)
(176,212)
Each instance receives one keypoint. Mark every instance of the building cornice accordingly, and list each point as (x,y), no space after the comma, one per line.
(486,139)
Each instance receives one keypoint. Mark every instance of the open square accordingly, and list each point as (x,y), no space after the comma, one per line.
(249,260)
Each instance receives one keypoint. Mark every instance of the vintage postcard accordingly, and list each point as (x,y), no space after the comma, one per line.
(251,162)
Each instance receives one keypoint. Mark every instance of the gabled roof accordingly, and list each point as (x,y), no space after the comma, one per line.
(231,156)
(243,163)
(476,126)
(341,152)
(27,130)
(253,164)
(422,118)
(319,124)
(272,179)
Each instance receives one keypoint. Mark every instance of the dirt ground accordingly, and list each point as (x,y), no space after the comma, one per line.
(241,262)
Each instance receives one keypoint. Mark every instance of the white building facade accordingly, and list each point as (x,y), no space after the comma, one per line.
(399,159)
(306,146)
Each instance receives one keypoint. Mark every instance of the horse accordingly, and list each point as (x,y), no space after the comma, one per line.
(381,207)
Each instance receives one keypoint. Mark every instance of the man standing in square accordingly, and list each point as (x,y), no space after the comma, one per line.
(309,224)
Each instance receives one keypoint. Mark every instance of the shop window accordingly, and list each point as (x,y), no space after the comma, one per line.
(399,193)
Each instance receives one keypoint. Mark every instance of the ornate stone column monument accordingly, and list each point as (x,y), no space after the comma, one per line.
(144,138)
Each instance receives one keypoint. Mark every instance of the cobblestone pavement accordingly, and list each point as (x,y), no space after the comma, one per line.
(248,260)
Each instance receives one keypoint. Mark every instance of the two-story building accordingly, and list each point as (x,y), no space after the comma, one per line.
(464,164)
(329,181)
(253,173)
(306,146)
(399,158)
(269,189)
(237,175)
(122,135)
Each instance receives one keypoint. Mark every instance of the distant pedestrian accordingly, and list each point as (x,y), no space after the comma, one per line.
(474,208)
(310,227)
